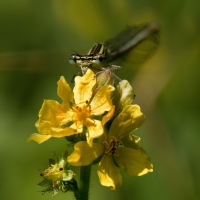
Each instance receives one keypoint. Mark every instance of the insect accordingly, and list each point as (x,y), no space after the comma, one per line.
(136,44)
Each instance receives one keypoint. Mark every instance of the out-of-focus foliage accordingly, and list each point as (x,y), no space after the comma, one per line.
(36,40)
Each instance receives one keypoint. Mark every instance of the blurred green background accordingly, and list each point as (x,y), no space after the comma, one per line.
(36,39)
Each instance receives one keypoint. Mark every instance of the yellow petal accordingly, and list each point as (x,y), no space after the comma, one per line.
(66,117)
(109,174)
(50,122)
(94,130)
(78,126)
(50,115)
(84,87)
(65,93)
(123,96)
(108,116)
(102,100)
(130,119)
(131,141)
(38,138)
(62,132)
(83,154)
(43,126)
(134,162)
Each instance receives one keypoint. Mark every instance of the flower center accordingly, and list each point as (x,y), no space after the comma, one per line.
(82,112)
(111,146)
(53,173)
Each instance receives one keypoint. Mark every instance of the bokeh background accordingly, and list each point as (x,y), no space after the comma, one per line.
(36,39)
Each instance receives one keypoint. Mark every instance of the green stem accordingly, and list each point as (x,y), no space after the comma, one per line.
(83,192)
(85,182)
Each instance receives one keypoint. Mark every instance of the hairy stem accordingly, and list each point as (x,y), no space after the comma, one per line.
(85,181)
(83,191)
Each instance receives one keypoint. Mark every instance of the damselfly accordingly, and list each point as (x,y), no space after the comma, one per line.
(136,43)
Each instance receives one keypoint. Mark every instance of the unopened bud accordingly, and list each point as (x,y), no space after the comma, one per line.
(107,77)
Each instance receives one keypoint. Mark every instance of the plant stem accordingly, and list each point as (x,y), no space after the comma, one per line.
(83,192)
(85,182)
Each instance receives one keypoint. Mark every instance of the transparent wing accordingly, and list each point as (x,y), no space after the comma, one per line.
(135,44)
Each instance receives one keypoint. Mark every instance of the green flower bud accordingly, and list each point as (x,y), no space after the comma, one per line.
(107,77)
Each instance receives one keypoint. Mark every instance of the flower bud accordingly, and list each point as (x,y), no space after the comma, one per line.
(106,77)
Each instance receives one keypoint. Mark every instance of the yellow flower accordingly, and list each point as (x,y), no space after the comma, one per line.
(57,172)
(57,176)
(81,108)
(118,148)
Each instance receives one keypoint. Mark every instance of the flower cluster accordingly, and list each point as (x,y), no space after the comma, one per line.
(100,120)
(117,146)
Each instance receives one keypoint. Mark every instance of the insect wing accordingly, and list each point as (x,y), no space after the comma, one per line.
(135,44)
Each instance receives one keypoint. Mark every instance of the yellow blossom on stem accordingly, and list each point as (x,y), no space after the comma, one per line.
(58,176)
(119,148)
(80,108)
(57,172)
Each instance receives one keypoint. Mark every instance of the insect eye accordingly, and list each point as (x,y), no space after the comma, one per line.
(99,58)
(73,59)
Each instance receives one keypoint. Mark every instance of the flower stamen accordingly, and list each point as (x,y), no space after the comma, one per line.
(53,173)
(81,113)
(111,146)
